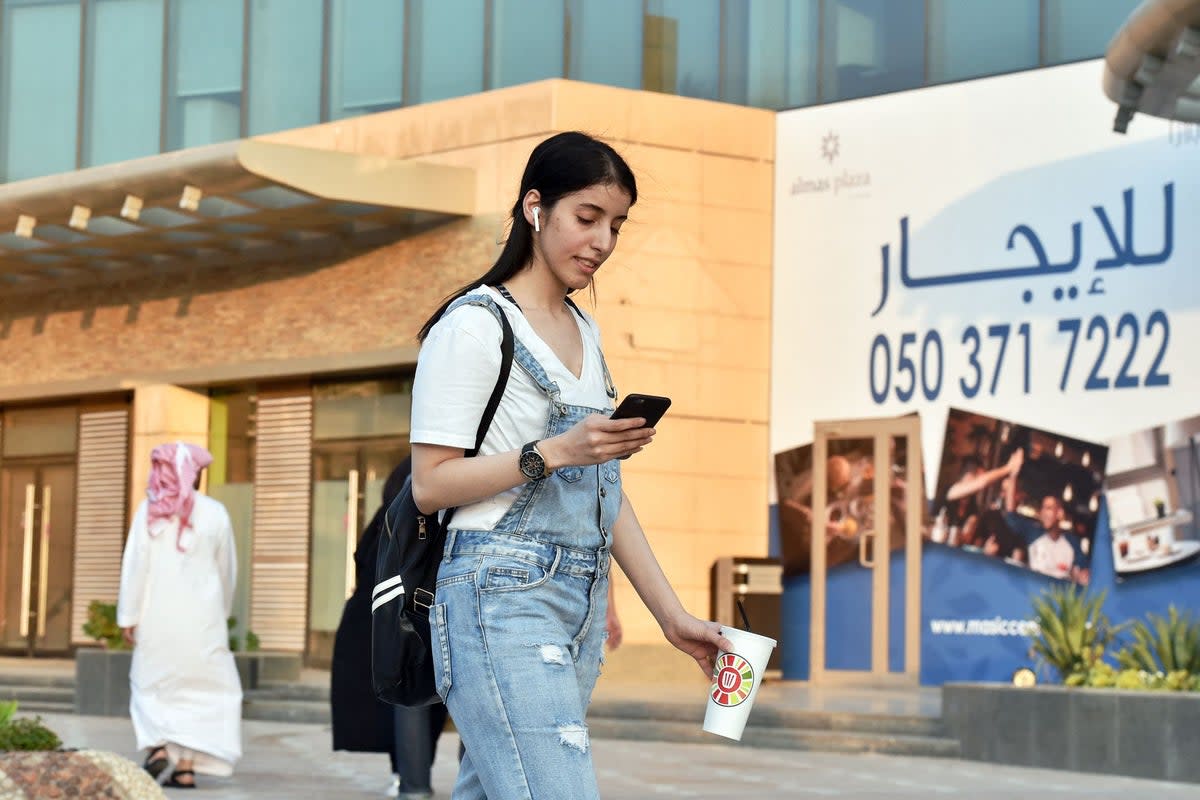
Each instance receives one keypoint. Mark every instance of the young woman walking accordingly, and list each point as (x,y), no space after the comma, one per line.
(518,618)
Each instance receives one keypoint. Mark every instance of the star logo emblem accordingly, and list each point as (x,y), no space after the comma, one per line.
(830,147)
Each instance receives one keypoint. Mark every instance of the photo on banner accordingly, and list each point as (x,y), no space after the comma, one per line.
(850,501)
(1153,496)
(1027,496)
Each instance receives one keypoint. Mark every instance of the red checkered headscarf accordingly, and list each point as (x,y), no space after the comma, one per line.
(171,495)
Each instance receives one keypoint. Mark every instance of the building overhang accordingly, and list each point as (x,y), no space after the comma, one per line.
(1152,65)
(237,202)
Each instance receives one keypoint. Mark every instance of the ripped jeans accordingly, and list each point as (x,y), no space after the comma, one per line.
(519,628)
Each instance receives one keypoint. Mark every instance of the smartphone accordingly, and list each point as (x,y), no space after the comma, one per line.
(651,407)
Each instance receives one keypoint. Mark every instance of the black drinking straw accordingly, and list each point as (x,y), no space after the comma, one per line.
(742,611)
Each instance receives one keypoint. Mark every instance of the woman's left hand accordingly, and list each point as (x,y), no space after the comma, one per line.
(612,624)
(699,638)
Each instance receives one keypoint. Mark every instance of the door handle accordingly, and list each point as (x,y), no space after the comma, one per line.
(862,548)
(351,528)
(27,558)
(44,565)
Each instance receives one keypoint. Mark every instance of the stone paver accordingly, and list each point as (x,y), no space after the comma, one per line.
(289,761)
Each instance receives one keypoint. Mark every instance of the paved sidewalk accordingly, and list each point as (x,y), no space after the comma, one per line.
(285,761)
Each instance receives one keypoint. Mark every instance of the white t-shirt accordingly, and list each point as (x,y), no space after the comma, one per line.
(1053,557)
(456,372)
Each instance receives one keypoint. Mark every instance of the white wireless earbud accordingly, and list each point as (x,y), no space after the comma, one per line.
(537,225)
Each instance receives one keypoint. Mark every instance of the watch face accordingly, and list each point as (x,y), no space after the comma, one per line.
(532,464)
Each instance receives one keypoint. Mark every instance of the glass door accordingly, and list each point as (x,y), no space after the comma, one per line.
(866,568)
(37,542)
(348,480)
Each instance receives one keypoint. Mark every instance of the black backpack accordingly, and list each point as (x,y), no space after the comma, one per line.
(410,550)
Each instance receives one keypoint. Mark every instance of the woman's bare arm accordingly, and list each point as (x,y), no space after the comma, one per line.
(698,638)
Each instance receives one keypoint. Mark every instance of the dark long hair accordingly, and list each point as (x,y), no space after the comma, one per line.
(564,163)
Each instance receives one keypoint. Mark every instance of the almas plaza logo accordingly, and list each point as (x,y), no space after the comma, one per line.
(831,147)
(836,182)
(733,680)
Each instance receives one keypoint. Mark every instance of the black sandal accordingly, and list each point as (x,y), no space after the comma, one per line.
(154,765)
(173,781)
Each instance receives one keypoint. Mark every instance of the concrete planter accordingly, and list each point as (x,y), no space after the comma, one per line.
(102,681)
(102,677)
(1140,734)
(261,667)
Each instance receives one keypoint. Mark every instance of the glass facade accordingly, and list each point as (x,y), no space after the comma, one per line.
(366,57)
(360,434)
(85,82)
(123,93)
(284,86)
(526,42)
(204,72)
(969,38)
(871,47)
(40,130)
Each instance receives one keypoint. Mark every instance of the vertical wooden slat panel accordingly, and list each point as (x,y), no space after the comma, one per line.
(282,488)
(99,512)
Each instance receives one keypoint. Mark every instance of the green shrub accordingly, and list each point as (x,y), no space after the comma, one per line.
(7,709)
(1164,644)
(235,644)
(28,734)
(102,625)
(1073,632)
(1181,681)
(1103,675)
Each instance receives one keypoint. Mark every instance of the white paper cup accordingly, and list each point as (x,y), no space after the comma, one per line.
(735,682)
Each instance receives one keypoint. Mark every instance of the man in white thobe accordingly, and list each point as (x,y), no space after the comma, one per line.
(177,583)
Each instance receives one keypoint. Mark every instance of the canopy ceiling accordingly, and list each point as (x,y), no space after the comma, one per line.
(241,201)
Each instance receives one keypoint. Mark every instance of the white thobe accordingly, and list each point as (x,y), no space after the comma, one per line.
(185,691)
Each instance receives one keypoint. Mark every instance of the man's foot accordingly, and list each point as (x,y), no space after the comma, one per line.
(182,779)
(156,761)
(394,789)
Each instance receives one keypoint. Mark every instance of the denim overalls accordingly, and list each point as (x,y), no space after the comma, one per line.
(518,623)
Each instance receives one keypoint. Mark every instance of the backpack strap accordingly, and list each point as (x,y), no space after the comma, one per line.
(506,361)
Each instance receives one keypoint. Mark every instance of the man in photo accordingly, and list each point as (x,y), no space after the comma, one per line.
(1052,551)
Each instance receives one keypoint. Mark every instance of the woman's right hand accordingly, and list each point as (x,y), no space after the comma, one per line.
(596,439)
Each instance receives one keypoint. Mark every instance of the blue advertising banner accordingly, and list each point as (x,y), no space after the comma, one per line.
(992,246)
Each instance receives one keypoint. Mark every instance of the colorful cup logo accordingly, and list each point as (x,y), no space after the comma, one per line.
(733,679)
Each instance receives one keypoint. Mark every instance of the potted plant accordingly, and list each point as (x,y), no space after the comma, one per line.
(248,659)
(1073,631)
(255,665)
(1133,712)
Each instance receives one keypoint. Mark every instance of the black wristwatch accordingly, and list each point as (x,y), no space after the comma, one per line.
(532,463)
